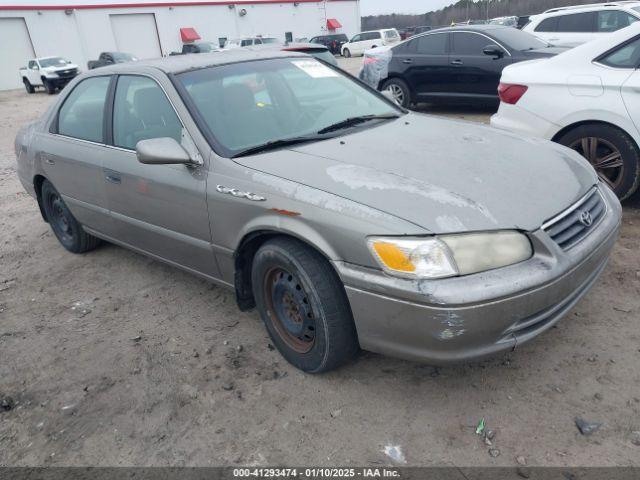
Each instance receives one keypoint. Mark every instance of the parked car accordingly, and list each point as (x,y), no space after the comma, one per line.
(572,26)
(456,64)
(197,47)
(109,58)
(249,41)
(366,40)
(504,21)
(334,42)
(587,99)
(314,49)
(279,176)
(52,73)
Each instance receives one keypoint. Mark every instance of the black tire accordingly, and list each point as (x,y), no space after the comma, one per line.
(397,85)
(287,267)
(623,179)
(27,85)
(65,227)
(346,53)
(48,86)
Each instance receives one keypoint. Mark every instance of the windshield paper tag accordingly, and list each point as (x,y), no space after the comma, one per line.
(314,69)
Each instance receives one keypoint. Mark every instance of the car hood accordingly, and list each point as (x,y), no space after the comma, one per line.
(442,175)
(69,66)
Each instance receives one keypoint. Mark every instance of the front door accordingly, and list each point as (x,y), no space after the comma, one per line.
(474,74)
(160,209)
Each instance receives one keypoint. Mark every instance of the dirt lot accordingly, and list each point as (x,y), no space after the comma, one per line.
(202,385)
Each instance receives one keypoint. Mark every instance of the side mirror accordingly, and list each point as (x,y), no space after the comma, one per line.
(162,151)
(493,51)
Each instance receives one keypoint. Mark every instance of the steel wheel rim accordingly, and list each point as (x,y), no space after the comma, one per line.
(604,157)
(397,93)
(289,309)
(59,219)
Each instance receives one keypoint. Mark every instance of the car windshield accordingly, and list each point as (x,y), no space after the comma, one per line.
(52,62)
(517,39)
(250,104)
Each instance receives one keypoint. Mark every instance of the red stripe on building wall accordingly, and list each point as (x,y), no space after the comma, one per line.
(155,4)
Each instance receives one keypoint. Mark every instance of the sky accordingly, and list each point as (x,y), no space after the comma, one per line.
(375,7)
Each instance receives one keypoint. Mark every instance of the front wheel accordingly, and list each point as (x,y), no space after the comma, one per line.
(611,152)
(303,305)
(346,53)
(400,91)
(49,86)
(64,225)
(27,85)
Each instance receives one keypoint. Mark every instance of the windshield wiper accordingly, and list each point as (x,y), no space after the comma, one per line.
(283,142)
(352,121)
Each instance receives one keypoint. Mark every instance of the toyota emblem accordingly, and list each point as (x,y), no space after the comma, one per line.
(585,218)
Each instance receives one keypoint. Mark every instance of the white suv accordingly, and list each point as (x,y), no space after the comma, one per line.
(366,40)
(572,26)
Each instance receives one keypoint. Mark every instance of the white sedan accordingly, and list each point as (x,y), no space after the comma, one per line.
(588,99)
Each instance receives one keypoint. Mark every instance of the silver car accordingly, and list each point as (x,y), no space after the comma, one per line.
(347,221)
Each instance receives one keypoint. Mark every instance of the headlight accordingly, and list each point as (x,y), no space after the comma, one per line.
(449,255)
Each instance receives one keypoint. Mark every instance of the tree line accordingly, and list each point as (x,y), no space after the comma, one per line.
(464,10)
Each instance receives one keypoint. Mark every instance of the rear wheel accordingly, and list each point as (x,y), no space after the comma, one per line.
(612,153)
(64,225)
(27,85)
(400,91)
(346,53)
(303,305)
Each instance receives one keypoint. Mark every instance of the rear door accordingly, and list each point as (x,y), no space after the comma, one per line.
(74,151)
(568,30)
(473,73)
(160,209)
(424,64)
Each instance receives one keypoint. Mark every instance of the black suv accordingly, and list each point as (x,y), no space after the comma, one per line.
(332,42)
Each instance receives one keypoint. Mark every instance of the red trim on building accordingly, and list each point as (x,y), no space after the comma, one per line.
(333,24)
(156,4)
(189,34)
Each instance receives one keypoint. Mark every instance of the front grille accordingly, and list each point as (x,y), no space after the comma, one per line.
(67,73)
(574,224)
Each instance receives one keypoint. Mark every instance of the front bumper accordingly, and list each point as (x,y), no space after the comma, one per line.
(464,318)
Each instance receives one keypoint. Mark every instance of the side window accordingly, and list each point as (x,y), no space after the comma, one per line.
(577,22)
(612,20)
(258,41)
(626,56)
(356,38)
(375,36)
(548,25)
(469,43)
(434,44)
(141,111)
(33,65)
(82,113)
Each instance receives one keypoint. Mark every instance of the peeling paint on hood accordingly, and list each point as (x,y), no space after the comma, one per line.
(443,175)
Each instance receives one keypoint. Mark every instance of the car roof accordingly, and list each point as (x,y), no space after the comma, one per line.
(589,8)
(183,63)
(483,28)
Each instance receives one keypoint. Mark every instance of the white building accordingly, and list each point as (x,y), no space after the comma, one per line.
(80,29)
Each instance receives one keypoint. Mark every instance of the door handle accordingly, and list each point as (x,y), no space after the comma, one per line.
(456,62)
(407,61)
(112,177)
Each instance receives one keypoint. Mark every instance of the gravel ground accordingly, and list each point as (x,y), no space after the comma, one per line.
(111,358)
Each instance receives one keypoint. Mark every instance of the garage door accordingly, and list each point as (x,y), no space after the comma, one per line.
(137,34)
(15,52)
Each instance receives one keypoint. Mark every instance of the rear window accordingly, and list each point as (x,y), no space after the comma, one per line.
(433,44)
(625,56)
(577,22)
(82,113)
